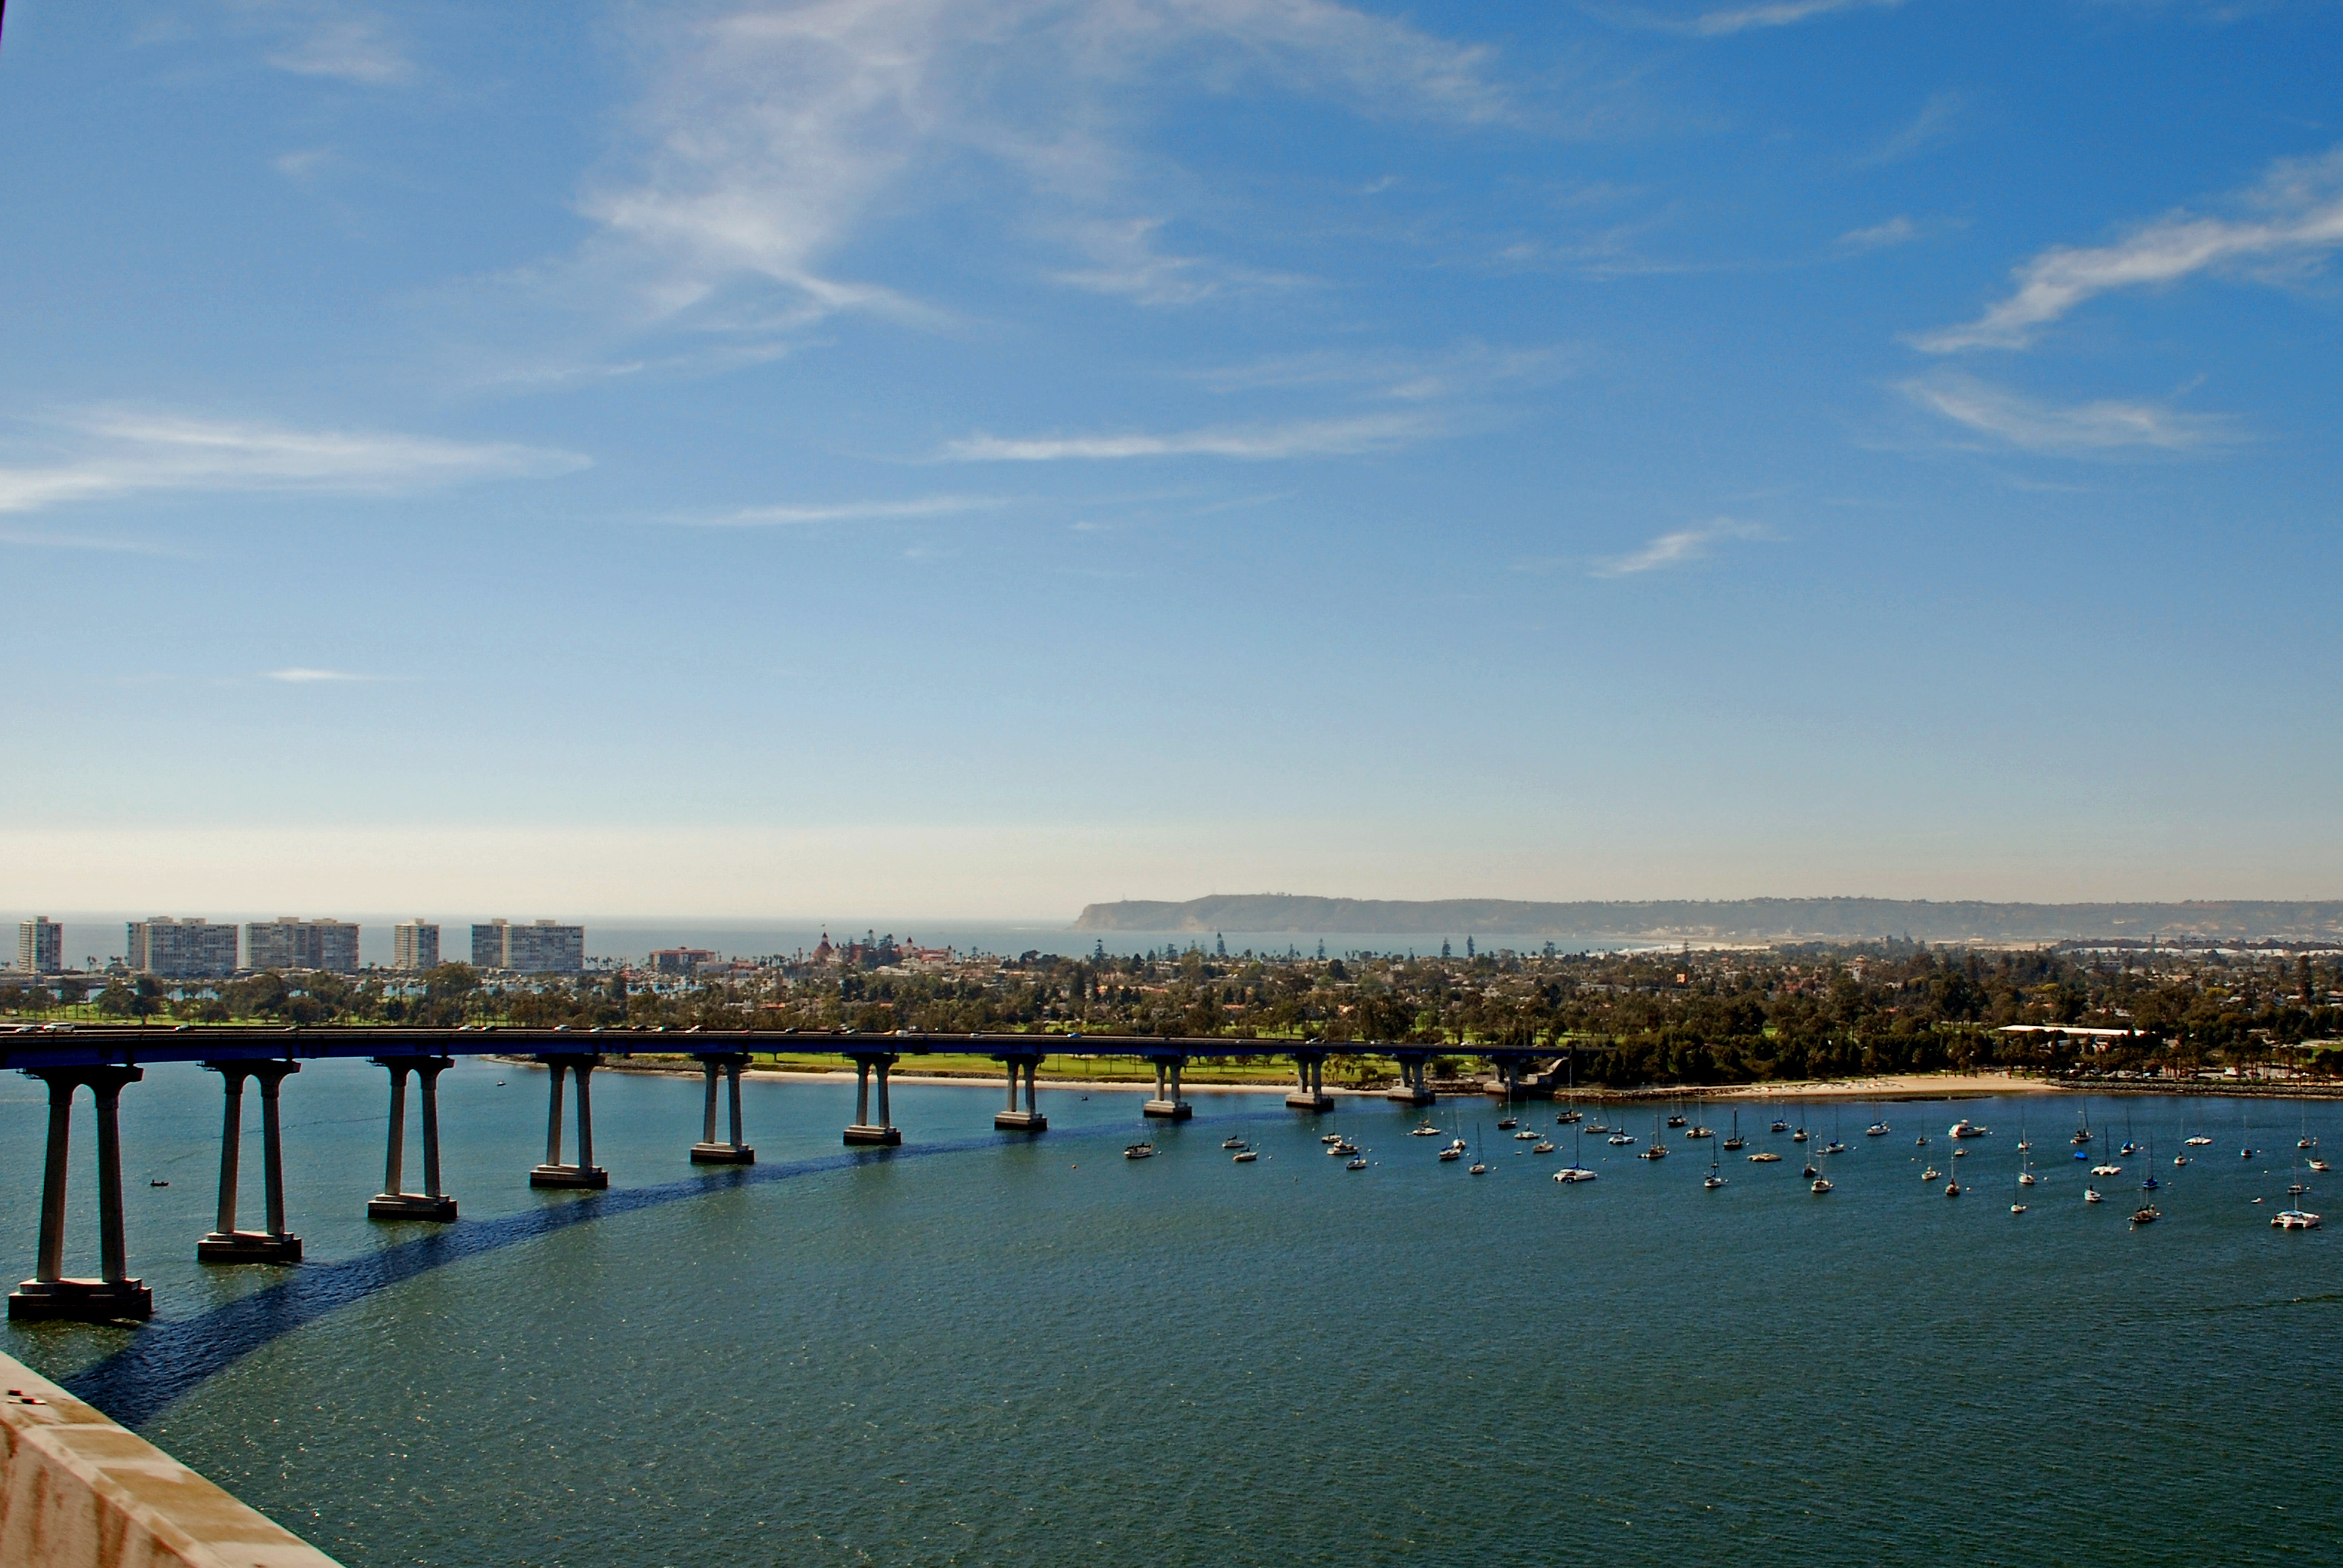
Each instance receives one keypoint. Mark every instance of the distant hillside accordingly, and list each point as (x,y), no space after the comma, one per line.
(1723,919)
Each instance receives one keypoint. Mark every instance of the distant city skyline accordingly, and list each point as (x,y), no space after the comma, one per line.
(735,459)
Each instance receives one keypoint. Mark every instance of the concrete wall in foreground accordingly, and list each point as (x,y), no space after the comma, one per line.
(78,1492)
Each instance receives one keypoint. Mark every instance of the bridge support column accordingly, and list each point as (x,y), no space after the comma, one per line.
(227,1244)
(553,1172)
(1167,1105)
(707,1151)
(113,1296)
(1310,1075)
(394,1202)
(881,1131)
(1031,1118)
(1414,1086)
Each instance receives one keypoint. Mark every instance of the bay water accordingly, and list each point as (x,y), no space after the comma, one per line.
(1000,1348)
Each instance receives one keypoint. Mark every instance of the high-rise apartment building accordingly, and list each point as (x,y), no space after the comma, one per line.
(40,946)
(538,949)
(182,950)
(291,943)
(415,945)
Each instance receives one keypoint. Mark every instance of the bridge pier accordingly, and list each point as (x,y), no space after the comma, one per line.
(1414,1085)
(1167,1105)
(882,1132)
(1031,1118)
(707,1151)
(227,1244)
(394,1202)
(1310,1074)
(553,1172)
(113,1296)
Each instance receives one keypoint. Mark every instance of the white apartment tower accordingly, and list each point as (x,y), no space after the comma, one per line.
(288,942)
(415,947)
(40,946)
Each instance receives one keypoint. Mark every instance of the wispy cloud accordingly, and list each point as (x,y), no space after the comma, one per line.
(2104,427)
(1938,121)
(1777,14)
(112,452)
(768,134)
(45,541)
(1681,548)
(332,38)
(1898,230)
(1299,439)
(845,511)
(1463,369)
(301,676)
(2292,220)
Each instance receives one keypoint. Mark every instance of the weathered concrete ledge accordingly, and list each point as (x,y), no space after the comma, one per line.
(76,1490)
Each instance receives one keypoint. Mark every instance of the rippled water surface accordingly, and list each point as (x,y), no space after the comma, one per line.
(1000,1350)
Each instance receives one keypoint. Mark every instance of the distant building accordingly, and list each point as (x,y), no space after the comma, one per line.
(681,960)
(288,942)
(181,949)
(40,946)
(542,948)
(415,945)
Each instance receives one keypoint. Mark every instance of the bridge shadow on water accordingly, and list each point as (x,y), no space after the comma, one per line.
(169,1359)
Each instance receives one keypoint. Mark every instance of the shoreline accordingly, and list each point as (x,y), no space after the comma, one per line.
(1906,1086)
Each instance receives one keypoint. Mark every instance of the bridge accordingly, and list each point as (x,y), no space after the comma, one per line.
(105,1059)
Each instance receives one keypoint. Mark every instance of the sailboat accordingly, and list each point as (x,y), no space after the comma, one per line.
(1478,1167)
(1576,1170)
(1715,1177)
(2017,1204)
(1735,1140)
(1656,1149)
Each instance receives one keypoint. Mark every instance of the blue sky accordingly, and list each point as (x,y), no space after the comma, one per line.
(970,457)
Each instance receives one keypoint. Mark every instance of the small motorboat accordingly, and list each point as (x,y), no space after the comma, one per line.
(1343,1150)
(1477,1171)
(1960,1153)
(2025,1178)
(1711,1181)
(1698,1132)
(1619,1140)
(1332,1137)
(1595,1127)
(1509,1124)
(1967,1129)
(1571,1175)
(1821,1186)
(2180,1159)
(1425,1131)
(2106,1169)
(2091,1195)
(2017,1208)
(1930,1174)
(2295,1190)
(2294,1219)
(1567,1117)
(1877,1129)
(1834,1147)
(1356,1165)
(1675,1121)
(2149,1185)
(1799,1136)
(1779,1126)
(1138,1152)
(1656,1151)
(1448,1154)
(2198,1142)
(1524,1136)
(1766,1158)
(1232,1142)
(1247,1156)
(1542,1146)
(2082,1136)
(2147,1214)
(158,1183)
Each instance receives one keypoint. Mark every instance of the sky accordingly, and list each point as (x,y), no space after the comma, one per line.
(974,457)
